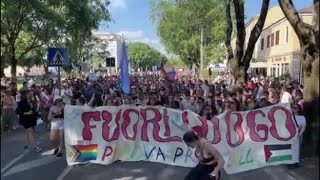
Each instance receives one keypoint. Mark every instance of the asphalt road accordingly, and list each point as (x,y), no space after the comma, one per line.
(17,164)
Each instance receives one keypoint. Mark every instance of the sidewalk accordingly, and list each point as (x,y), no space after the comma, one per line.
(309,170)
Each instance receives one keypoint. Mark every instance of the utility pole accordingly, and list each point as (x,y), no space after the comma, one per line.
(201,49)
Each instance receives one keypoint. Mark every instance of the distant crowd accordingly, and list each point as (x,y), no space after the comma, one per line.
(207,98)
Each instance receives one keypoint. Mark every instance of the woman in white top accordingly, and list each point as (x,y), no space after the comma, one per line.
(301,122)
(286,96)
(56,117)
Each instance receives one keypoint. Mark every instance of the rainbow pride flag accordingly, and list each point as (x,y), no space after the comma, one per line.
(83,153)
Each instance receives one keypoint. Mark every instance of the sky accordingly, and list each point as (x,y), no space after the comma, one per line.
(131,19)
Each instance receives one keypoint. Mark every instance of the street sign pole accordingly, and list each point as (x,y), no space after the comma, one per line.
(59,81)
(57,57)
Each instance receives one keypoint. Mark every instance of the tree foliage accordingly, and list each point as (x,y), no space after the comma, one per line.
(95,53)
(179,25)
(32,25)
(142,55)
(175,61)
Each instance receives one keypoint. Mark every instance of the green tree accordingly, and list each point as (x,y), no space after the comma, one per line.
(142,55)
(28,25)
(175,61)
(87,15)
(35,59)
(215,53)
(96,53)
(179,25)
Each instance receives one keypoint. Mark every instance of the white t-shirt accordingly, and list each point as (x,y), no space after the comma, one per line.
(286,98)
(56,92)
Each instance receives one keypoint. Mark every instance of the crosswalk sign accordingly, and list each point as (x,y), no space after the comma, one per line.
(57,57)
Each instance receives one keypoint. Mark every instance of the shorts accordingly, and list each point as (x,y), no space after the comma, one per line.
(57,125)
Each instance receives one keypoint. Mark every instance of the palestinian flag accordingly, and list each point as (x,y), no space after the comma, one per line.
(277,153)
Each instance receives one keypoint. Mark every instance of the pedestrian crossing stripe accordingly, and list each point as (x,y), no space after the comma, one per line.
(58,59)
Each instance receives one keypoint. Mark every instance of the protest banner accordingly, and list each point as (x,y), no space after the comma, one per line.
(247,140)
(92,77)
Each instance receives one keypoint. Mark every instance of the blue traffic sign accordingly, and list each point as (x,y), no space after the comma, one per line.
(57,57)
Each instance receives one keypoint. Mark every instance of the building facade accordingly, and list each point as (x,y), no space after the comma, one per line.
(113,47)
(277,51)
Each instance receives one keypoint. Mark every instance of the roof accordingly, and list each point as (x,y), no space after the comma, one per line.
(306,9)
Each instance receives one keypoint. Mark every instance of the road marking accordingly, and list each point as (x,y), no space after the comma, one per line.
(65,173)
(15,160)
(29,165)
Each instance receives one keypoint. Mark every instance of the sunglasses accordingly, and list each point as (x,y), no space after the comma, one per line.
(59,101)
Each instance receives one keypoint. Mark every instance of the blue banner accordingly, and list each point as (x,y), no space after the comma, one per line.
(124,67)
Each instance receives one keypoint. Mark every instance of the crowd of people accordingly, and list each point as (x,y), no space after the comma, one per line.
(206,98)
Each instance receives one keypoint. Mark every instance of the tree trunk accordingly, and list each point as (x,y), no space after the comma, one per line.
(241,30)
(254,36)
(240,75)
(14,63)
(241,61)
(309,44)
(311,109)
(13,60)
(229,31)
(1,72)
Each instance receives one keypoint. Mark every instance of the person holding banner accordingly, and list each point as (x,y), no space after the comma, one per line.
(301,121)
(211,161)
(81,101)
(56,116)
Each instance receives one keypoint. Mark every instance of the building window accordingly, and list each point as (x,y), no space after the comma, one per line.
(287,34)
(272,39)
(268,41)
(262,43)
(286,68)
(277,37)
(274,72)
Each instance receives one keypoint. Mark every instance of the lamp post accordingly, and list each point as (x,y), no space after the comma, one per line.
(201,49)
(201,24)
